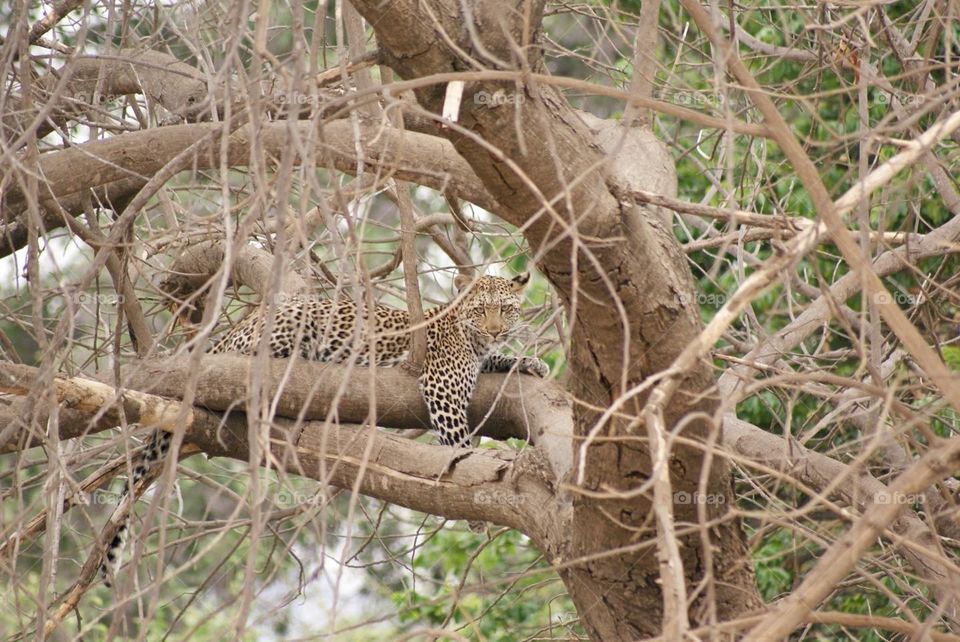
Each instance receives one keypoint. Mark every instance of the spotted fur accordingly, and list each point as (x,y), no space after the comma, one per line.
(462,338)
(461,341)
(156,450)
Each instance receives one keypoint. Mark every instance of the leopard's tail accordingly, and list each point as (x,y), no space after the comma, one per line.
(155,452)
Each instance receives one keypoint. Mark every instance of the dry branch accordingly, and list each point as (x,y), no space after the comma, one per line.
(846,552)
(89,396)
(47,22)
(851,487)
(831,213)
(66,92)
(419,158)
(503,406)
(619,272)
(941,461)
(564,180)
(940,241)
(440,481)
(197,263)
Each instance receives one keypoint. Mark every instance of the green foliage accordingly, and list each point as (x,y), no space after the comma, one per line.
(516,592)
(500,589)
(951,354)
(773,578)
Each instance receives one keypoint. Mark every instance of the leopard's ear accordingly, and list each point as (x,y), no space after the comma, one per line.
(519,282)
(462,281)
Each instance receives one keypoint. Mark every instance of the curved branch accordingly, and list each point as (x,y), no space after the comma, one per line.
(503,406)
(197,263)
(843,554)
(402,465)
(940,241)
(440,481)
(831,213)
(851,487)
(177,86)
(411,156)
(133,158)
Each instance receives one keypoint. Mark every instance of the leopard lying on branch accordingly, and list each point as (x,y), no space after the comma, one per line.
(462,338)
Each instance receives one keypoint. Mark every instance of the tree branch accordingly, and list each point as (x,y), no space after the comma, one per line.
(836,562)
(426,160)
(197,263)
(503,406)
(831,213)
(90,407)
(439,481)
(177,86)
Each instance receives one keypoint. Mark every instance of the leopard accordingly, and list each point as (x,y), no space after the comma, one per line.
(462,337)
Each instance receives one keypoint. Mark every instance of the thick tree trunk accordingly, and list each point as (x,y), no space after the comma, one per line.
(629,299)
(628,294)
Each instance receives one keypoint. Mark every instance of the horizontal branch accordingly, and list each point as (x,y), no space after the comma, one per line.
(503,406)
(251,266)
(938,242)
(423,477)
(874,623)
(420,158)
(440,481)
(513,406)
(81,400)
(851,487)
(397,470)
(846,551)
(86,81)
(773,226)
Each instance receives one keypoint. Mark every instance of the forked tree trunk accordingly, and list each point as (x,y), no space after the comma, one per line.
(629,297)
(628,294)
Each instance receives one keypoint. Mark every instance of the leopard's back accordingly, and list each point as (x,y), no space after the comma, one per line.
(322,330)
(462,338)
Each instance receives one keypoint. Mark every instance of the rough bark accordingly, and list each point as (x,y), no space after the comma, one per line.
(618,268)
(525,408)
(91,80)
(628,293)
(415,475)
(111,170)
(502,407)
(625,283)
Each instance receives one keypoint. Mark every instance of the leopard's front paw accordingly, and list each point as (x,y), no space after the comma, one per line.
(534,366)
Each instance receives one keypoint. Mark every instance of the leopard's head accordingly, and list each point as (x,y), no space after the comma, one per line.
(490,306)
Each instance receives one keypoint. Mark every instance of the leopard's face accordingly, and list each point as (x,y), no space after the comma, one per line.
(491,307)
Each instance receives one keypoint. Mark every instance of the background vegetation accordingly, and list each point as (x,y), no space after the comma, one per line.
(853,82)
